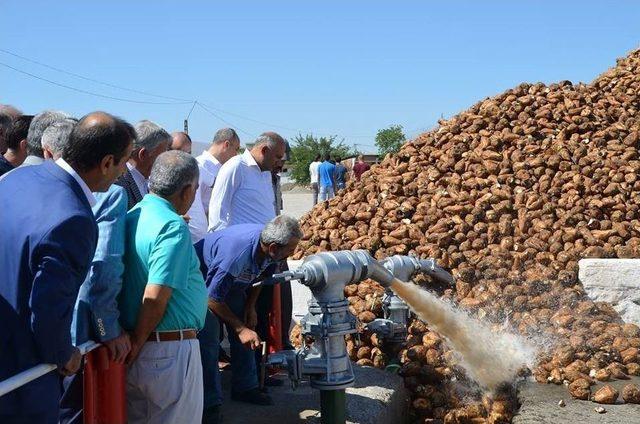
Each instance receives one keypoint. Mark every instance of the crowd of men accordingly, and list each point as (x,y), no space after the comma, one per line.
(330,175)
(115,233)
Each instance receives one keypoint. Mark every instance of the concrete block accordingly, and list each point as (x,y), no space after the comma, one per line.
(616,281)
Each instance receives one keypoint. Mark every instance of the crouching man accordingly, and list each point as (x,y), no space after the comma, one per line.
(232,260)
(163,301)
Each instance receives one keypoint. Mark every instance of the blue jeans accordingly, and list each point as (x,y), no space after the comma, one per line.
(209,338)
(326,193)
(243,364)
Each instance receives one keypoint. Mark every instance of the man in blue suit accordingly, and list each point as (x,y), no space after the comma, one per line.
(48,240)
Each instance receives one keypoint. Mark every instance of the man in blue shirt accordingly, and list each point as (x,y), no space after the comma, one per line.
(340,175)
(232,260)
(327,182)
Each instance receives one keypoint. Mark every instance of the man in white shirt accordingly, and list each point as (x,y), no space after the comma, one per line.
(224,146)
(151,141)
(313,172)
(243,191)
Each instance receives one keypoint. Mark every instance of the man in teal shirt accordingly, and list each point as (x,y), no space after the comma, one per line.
(163,301)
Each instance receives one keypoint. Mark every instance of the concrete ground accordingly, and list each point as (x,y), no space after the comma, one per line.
(377,397)
(540,405)
(296,203)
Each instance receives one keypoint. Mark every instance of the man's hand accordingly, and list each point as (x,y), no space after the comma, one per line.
(73,364)
(250,318)
(186,218)
(136,346)
(249,338)
(119,347)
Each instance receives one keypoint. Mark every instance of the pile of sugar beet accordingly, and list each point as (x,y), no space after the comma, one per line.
(509,196)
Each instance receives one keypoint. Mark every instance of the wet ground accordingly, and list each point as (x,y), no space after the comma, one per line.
(540,405)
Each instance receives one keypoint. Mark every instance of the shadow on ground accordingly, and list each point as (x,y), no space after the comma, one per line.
(377,397)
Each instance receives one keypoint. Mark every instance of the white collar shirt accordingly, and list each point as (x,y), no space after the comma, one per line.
(139,179)
(199,210)
(242,194)
(85,188)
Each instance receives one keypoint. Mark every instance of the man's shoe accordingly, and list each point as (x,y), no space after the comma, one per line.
(254,396)
(273,382)
(212,415)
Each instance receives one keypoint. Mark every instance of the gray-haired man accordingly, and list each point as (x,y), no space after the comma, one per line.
(163,301)
(151,141)
(56,136)
(232,260)
(42,121)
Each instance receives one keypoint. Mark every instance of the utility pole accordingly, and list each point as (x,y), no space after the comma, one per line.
(186,126)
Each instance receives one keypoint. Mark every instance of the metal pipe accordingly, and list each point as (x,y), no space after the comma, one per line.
(38,371)
(333,406)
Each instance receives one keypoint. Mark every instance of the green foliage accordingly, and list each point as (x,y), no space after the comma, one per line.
(304,149)
(389,140)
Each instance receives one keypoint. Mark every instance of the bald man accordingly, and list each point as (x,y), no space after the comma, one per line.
(181,141)
(46,209)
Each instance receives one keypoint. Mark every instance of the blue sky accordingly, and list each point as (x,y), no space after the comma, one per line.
(343,68)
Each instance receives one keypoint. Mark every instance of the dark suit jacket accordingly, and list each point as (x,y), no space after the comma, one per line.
(48,237)
(129,184)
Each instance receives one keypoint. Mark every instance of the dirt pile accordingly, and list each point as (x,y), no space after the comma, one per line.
(508,195)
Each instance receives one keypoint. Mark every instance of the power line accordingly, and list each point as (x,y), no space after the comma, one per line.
(192,107)
(73,74)
(206,109)
(91,93)
(176,100)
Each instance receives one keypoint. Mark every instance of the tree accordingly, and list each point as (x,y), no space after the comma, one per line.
(304,148)
(389,140)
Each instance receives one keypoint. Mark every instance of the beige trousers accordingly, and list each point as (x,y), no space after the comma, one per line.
(164,385)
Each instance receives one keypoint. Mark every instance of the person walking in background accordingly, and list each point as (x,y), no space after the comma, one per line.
(47,252)
(340,175)
(313,173)
(224,146)
(151,141)
(360,167)
(163,301)
(181,141)
(16,144)
(327,182)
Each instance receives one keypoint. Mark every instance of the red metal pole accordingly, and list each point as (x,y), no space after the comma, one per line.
(275,322)
(104,392)
(89,390)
